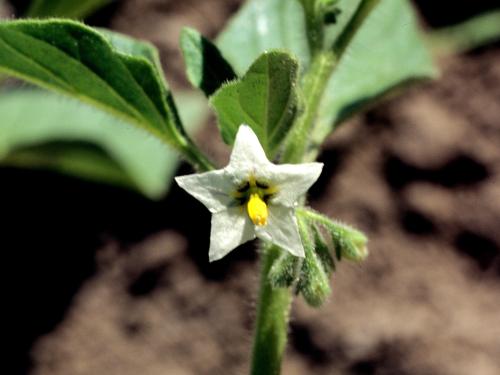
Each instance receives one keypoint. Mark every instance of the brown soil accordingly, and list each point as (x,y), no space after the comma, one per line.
(420,174)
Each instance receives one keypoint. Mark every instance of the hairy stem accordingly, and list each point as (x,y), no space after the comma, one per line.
(315,82)
(274,303)
(314,24)
(272,320)
(356,21)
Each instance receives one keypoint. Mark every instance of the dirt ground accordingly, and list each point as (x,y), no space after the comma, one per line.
(102,281)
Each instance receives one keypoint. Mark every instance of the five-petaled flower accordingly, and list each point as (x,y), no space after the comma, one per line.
(252,197)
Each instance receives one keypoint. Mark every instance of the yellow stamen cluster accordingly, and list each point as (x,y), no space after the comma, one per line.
(255,196)
(257,210)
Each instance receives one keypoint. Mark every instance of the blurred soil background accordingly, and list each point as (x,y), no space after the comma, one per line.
(102,281)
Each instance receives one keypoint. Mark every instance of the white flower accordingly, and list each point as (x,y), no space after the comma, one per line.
(252,197)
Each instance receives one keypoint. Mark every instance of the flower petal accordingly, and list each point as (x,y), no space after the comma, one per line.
(293,180)
(282,230)
(213,188)
(230,228)
(248,155)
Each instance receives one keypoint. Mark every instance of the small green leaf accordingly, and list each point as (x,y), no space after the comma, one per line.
(265,98)
(206,67)
(64,8)
(73,59)
(41,130)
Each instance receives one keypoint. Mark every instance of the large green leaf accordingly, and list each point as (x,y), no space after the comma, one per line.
(262,25)
(71,58)
(38,129)
(77,158)
(64,8)
(264,98)
(386,53)
(206,68)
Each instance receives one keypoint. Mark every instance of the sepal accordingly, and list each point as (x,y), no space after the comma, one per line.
(284,271)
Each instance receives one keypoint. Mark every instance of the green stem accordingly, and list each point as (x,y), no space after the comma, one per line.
(274,303)
(313,15)
(356,21)
(315,82)
(272,320)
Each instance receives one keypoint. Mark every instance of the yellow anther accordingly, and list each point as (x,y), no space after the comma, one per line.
(257,210)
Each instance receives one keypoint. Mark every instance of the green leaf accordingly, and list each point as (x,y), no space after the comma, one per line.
(265,98)
(41,130)
(206,67)
(73,59)
(387,52)
(64,8)
(262,25)
(76,158)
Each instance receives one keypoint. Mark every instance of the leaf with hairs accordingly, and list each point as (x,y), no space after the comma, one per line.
(73,59)
(265,98)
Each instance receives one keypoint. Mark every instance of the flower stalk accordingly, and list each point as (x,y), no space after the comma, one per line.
(271,325)
(251,197)
(274,303)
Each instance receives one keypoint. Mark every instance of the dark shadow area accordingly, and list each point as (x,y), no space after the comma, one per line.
(19,6)
(460,171)
(303,342)
(332,158)
(414,222)
(387,359)
(216,70)
(54,226)
(133,328)
(49,238)
(480,249)
(103,16)
(100,18)
(148,280)
(448,12)
(481,51)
